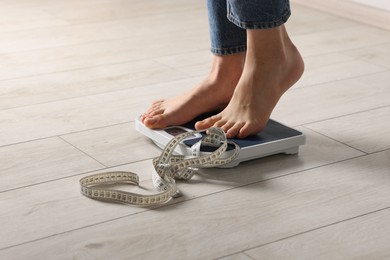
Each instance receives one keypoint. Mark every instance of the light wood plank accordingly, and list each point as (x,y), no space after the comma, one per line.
(350,10)
(62,58)
(342,39)
(378,4)
(320,102)
(83,113)
(336,71)
(240,218)
(365,237)
(305,20)
(366,131)
(111,30)
(319,61)
(40,161)
(377,54)
(14,19)
(115,145)
(191,63)
(40,3)
(80,83)
(93,11)
(56,207)
(240,256)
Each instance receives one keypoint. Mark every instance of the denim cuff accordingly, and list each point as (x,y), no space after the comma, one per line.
(259,25)
(229,50)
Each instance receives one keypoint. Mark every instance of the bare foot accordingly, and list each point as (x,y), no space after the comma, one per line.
(273,65)
(214,93)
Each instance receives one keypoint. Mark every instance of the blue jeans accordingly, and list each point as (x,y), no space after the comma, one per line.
(229,19)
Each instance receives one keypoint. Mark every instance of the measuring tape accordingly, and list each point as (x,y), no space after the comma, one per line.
(167,166)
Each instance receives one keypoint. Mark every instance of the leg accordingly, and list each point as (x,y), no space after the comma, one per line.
(272,66)
(228,45)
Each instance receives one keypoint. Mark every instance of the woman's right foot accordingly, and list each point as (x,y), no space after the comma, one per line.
(273,65)
(214,93)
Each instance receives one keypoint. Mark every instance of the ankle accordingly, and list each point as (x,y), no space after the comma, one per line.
(227,65)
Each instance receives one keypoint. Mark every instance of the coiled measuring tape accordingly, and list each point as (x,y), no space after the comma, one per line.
(167,166)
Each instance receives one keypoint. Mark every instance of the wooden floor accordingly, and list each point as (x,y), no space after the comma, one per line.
(372,12)
(74,75)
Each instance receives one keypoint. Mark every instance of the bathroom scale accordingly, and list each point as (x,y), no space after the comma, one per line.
(275,138)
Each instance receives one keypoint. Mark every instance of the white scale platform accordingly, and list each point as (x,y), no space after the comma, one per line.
(275,138)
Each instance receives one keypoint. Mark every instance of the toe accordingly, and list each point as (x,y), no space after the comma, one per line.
(227,126)
(247,130)
(155,106)
(157,102)
(152,109)
(207,123)
(156,122)
(149,122)
(234,130)
(220,123)
(244,132)
(156,112)
(142,117)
